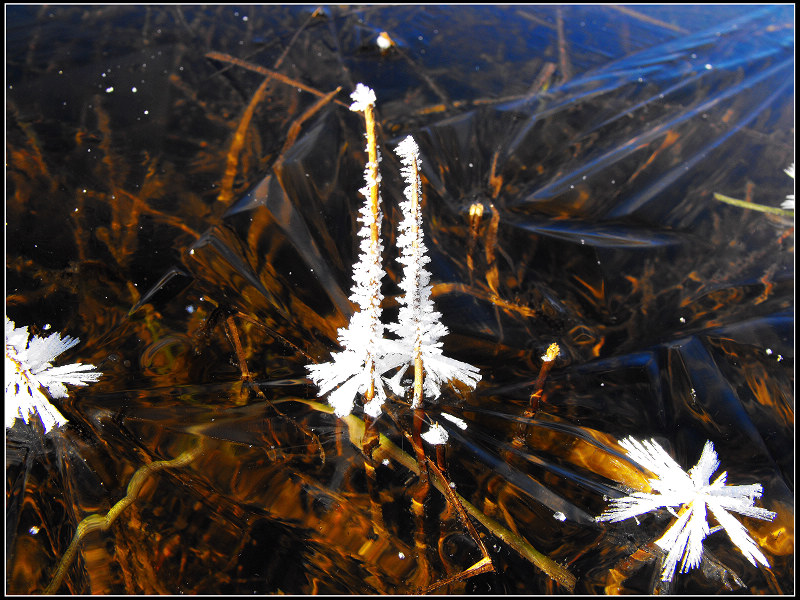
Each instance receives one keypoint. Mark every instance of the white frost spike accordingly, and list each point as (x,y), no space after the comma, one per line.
(436,435)
(29,370)
(419,326)
(693,493)
(366,355)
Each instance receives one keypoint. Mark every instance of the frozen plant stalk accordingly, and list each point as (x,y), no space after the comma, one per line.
(366,355)
(419,327)
(29,370)
(693,493)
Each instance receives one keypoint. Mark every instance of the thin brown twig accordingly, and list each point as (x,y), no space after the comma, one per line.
(447,488)
(563,58)
(294,128)
(484,565)
(647,19)
(538,387)
(232,164)
(542,79)
(269,72)
(226,188)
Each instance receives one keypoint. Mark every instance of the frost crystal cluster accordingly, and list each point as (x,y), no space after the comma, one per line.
(29,370)
(360,368)
(693,493)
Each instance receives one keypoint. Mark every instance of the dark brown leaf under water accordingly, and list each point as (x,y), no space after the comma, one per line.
(180,178)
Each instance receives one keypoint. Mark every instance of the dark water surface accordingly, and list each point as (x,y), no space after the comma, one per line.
(164,195)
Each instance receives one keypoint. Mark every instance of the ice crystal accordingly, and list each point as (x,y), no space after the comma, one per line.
(788,204)
(436,435)
(460,423)
(693,493)
(29,370)
(362,97)
(419,325)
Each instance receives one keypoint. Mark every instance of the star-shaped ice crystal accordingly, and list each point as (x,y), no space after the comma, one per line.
(29,371)
(693,493)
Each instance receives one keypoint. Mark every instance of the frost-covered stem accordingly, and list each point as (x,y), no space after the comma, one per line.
(416,235)
(374,229)
(374,241)
(374,226)
(365,100)
(419,325)
(359,368)
(372,152)
(419,378)
(419,370)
